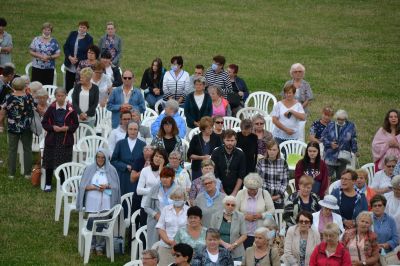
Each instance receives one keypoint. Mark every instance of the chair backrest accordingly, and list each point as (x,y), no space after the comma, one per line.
(69,96)
(134,263)
(292,185)
(269,126)
(82,131)
(36,142)
(70,189)
(262,100)
(231,122)
(89,146)
(157,106)
(102,115)
(292,147)
(50,91)
(148,113)
(148,121)
(237,263)
(134,216)
(370,168)
(115,211)
(193,132)
(28,69)
(249,112)
(278,216)
(69,170)
(141,233)
(181,112)
(127,198)
(185,145)
(333,186)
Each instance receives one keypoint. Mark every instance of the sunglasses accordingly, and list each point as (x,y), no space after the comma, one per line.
(390,166)
(304,222)
(219,122)
(127,78)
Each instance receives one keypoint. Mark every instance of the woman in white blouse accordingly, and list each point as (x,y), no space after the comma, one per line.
(172,218)
(176,82)
(103,81)
(150,177)
(287,115)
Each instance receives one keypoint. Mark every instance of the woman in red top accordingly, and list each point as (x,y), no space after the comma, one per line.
(312,165)
(330,252)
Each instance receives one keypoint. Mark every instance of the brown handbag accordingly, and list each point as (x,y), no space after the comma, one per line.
(36,174)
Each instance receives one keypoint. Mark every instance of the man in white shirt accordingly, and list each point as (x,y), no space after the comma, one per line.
(119,132)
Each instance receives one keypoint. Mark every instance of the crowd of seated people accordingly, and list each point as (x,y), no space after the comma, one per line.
(223,206)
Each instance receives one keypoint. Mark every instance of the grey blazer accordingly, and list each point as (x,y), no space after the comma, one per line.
(117,46)
(238,228)
(208,212)
(152,207)
(248,259)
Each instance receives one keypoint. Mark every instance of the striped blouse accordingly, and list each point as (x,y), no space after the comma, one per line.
(175,86)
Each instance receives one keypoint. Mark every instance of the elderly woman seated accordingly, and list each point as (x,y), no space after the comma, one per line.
(393,202)
(232,228)
(362,242)
(210,200)
(255,204)
(171,109)
(98,191)
(212,253)
(150,257)
(300,200)
(300,240)
(261,253)
(327,215)
(384,224)
(381,181)
(172,218)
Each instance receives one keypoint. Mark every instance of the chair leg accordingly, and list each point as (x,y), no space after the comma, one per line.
(111,248)
(59,198)
(67,214)
(43,179)
(87,245)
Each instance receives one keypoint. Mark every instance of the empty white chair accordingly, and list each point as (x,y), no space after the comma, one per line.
(137,243)
(87,147)
(294,150)
(278,216)
(262,100)
(134,263)
(107,232)
(126,202)
(103,118)
(70,190)
(69,170)
(292,186)
(82,131)
(193,132)
(148,113)
(231,122)
(249,112)
(370,168)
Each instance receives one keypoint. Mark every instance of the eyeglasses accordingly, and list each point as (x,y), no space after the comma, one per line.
(230,204)
(304,222)
(177,255)
(207,183)
(127,78)
(377,205)
(259,124)
(346,179)
(219,122)
(390,166)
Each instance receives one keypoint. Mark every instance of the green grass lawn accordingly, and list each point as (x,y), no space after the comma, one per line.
(350,50)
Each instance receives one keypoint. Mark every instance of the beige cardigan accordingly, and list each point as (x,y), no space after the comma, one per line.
(292,245)
(248,259)
(264,204)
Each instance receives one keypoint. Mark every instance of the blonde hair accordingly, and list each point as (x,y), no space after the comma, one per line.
(306,180)
(87,73)
(332,229)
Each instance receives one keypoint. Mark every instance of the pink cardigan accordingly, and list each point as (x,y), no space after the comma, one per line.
(380,147)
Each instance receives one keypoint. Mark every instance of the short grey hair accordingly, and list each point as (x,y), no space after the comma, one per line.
(390,158)
(18,84)
(153,253)
(133,122)
(296,66)
(136,111)
(200,79)
(364,214)
(210,176)
(228,198)
(172,104)
(41,92)
(60,90)
(342,114)
(179,191)
(258,117)
(26,78)
(270,222)
(262,231)
(217,89)
(175,153)
(35,86)
(253,181)
(396,181)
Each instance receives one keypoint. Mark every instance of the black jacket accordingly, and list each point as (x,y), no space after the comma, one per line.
(93,99)
(196,147)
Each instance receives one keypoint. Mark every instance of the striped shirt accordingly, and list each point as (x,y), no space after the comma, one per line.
(220,79)
(275,175)
(176,86)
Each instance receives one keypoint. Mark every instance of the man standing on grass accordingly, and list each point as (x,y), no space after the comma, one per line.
(217,75)
(230,164)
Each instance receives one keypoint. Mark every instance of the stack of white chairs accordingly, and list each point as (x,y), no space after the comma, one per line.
(103,121)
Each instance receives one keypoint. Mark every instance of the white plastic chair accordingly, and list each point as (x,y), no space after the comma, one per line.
(181,112)
(50,91)
(149,121)
(302,130)
(231,122)
(370,168)
(278,217)
(28,72)
(249,112)
(185,145)
(137,243)
(103,118)
(237,263)
(125,222)
(157,105)
(292,185)
(87,147)
(134,263)
(148,113)
(269,126)
(70,190)
(35,148)
(294,150)
(108,232)
(333,186)
(236,129)
(82,131)
(69,169)
(63,73)
(262,100)
(193,132)
(69,96)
